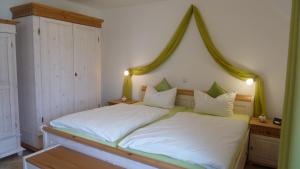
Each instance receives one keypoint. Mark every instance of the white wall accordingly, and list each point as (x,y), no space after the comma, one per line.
(5,5)
(250,33)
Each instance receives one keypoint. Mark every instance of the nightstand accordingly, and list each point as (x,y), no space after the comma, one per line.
(264,142)
(117,101)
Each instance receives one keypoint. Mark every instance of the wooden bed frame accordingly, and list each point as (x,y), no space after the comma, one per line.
(127,159)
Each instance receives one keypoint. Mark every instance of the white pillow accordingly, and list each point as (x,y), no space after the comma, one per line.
(219,106)
(164,99)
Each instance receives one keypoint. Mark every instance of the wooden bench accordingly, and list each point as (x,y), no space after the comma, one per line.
(63,158)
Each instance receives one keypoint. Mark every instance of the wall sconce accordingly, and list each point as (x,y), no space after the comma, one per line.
(249,81)
(126,73)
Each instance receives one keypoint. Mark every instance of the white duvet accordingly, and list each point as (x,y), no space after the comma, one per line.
(110,123)
(209,141)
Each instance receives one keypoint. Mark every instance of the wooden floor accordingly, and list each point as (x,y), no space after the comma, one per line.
(12,162)
(15,162)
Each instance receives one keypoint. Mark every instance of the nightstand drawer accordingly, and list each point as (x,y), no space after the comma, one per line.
(270,132)
(264,150)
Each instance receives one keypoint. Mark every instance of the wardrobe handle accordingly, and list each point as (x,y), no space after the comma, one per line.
(76,74)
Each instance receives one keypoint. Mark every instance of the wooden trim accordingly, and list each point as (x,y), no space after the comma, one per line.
(29,147)
(113,150)
(117,101)
(239,97)
(268,123)
(9,22)
(266,128)
(65,158)
(41,10)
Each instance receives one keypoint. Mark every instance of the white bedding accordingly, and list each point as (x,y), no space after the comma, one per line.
(110,123)
(209,141)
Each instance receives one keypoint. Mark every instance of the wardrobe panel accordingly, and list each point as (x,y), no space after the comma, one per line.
(7,115)
(4,67)
(86,57)
(6,119)
(57,70)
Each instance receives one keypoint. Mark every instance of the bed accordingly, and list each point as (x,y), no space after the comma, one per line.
(130,158)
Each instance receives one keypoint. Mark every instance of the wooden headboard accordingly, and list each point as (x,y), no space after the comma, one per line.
(243,103)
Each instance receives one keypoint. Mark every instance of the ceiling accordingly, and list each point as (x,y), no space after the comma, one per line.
(108,4)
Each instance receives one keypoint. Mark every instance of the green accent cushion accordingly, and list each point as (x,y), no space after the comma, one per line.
(163,85)
(216,90)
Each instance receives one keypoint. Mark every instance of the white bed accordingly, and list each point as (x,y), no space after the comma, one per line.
(127,159)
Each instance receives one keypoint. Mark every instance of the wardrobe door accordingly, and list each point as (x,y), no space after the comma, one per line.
(8,86)
(57,70)
(87,67)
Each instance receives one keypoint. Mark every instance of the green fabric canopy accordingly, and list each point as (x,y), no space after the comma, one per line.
(242,74)
(290,134)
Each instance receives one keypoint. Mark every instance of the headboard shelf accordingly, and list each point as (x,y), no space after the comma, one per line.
(243,104)
(239,97)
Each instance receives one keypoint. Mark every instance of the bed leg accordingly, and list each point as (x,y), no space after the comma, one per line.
(45,138)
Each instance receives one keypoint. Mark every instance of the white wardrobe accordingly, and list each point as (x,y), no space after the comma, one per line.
(9,111)
(58,72)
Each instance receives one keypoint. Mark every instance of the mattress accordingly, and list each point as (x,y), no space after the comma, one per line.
(110,123)
(162,142)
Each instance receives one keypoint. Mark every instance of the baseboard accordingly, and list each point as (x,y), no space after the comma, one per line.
(29,147)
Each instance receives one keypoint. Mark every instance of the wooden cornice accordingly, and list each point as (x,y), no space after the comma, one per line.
(10,22)
(41,10)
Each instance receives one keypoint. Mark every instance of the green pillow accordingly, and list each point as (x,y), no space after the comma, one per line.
(163,85)
(216,90)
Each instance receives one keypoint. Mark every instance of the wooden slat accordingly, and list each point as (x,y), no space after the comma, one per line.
(64,158)
(120,152)
(29,147)
(117,101)
(10,22)
(37,9)
(268,123)
(239,97)
(266,129)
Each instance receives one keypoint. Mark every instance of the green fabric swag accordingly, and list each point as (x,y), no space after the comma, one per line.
(290,134)
(259,100)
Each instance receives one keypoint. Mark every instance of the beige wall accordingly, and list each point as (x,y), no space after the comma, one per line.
(250,33)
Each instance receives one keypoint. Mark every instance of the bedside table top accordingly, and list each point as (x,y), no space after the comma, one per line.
(128,101)
(268,123)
